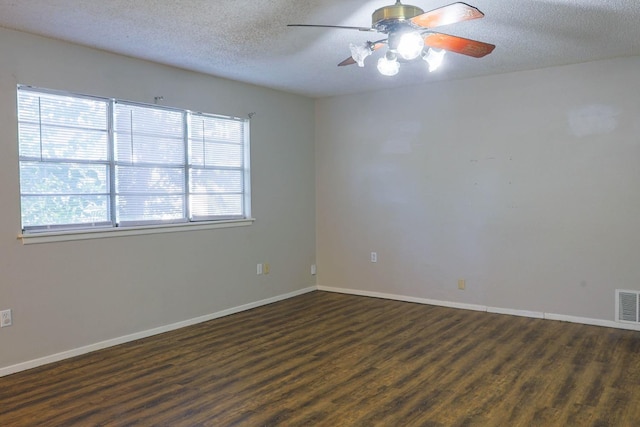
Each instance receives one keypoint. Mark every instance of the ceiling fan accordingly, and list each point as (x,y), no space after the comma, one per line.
(409,36)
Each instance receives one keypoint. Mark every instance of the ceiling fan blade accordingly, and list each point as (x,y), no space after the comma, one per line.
(332,26)
(351,61)
(455,12)
(458,44)
(348,61)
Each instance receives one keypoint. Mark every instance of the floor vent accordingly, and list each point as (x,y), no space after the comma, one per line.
(627,306)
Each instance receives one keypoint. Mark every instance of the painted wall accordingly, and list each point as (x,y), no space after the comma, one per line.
(524,184)
(72,294)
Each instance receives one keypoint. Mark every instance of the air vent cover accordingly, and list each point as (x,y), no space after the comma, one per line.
(627,306)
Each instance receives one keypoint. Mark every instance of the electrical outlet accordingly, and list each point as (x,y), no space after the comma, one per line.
(5,318)
(374,257)
(259,269)
(313,269)
(462,284)
(266,268)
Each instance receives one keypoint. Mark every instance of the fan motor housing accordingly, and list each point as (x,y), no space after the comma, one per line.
(388,17)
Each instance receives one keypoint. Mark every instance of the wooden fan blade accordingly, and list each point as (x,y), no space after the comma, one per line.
(456,12)
(348,61)
(351,61)
(332,26)
(458,44)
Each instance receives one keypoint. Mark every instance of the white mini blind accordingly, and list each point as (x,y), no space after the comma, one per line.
(150,155)
(63,160)
(88,161)
(216,167)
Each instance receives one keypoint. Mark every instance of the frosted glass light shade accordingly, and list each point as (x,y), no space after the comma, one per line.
(388,67)
(410,46)
(359,52)
(434,59)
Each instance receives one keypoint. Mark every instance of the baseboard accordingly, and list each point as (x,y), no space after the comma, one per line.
(23,366)
(592,322)
(405,298)
(496,310)
(512,312)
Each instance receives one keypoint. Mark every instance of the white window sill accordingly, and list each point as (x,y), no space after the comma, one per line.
(67,235)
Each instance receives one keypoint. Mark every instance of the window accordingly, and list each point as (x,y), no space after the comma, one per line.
(88,162)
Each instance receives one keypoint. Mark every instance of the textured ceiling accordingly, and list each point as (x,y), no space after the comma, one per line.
(248,40)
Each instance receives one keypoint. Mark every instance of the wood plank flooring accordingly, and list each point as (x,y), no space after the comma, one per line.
(325,359)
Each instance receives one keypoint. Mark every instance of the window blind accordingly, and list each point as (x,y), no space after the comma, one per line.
(63,160)
(216,167)
(149,164)
(95,162)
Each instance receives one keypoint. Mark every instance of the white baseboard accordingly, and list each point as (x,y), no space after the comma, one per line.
(593,322)
(496,310)
(449,304)
(143,334)
(512,312)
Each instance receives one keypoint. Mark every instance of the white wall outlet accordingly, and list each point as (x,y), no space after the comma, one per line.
(5,318)
(259,269)
(374,257)
(313,269)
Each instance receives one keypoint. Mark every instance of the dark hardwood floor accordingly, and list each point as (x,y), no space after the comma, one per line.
(325,359)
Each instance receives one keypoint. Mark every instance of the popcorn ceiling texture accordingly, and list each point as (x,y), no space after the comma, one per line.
(248,40)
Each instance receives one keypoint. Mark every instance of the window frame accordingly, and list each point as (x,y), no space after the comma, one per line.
(113,227)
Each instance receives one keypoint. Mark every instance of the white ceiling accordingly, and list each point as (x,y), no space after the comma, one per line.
(248,40)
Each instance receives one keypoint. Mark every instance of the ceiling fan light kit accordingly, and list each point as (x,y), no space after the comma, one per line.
(410,45)
(410,36)
(360,52)
(388,65)
(434,58)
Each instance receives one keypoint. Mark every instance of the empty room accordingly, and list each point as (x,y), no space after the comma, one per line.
(337,213)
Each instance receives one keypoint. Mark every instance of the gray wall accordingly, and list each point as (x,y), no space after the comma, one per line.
(524,184)
(71,294)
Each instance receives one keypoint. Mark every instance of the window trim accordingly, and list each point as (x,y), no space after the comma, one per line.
(108,232)
(59,233)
